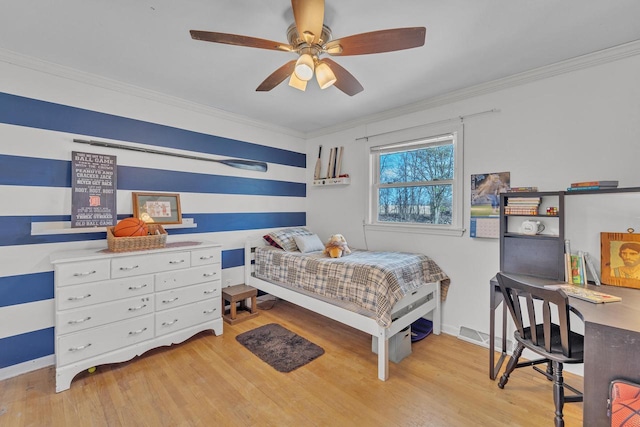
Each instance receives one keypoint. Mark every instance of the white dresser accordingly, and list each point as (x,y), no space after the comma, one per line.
(111,307)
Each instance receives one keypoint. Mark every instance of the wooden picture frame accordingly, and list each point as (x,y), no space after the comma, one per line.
(620,256)
(157,208)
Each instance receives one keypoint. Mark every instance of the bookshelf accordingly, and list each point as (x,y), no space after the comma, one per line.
(542,255)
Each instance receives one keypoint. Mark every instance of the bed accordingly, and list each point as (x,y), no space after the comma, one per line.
(380,293)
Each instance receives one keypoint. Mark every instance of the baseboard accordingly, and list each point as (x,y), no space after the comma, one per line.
(23,368)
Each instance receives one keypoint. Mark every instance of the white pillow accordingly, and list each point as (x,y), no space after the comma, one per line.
(310,243)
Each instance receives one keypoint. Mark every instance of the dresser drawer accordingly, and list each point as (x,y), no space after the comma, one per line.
(186,295)
(74,273)
(189,315)
(151,263)
(174,279)
(206,256)
(103,339)
(97,292)
(69,321)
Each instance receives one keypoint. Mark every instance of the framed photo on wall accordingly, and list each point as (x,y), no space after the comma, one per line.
(620,254)
(157,208)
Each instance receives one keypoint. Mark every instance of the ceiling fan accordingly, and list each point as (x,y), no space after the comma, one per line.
(309,38)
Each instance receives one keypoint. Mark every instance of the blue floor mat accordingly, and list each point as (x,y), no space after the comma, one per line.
(420,329)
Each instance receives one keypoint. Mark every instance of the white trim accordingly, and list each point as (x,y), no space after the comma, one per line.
(416,229)
(28,366)
(416,137)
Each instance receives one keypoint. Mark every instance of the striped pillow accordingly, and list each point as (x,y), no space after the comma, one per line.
(285,237)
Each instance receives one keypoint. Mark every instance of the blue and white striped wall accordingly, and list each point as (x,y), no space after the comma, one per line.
(36,140)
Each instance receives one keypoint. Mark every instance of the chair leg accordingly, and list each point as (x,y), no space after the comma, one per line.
(513,361)
(558,393)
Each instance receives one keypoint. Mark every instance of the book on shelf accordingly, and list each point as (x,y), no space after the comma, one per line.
(589,187)
(601,184)
(523,189)
(585,294)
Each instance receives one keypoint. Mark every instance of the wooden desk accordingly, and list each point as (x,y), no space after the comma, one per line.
(612,344)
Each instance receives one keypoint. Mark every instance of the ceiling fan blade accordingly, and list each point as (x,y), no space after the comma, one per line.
(344,80)
(377,42)
(236,40)
(277,77)
(309,17)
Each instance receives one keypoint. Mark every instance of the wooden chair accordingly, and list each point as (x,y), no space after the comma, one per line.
(555,342)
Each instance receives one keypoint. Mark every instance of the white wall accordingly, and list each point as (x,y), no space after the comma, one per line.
(576,126)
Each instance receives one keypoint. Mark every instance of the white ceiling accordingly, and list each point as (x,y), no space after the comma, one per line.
(146,43)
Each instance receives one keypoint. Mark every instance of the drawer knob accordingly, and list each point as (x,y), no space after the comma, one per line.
(139,307)
(204,258)
(135,288)
(80,347)
(139,331)
(169,323)
(74,322)
(86,273)
(176,262)
(133,267)
(209,291)
(209,274)
(169,301)
(79,298)
(209,311)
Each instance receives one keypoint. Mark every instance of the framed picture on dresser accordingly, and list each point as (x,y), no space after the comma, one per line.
(620,256)
(157,208)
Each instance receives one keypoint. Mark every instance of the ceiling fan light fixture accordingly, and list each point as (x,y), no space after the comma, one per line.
(325,76)
(295,82)
(304,67)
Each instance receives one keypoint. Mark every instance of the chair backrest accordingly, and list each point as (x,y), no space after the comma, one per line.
(513,289)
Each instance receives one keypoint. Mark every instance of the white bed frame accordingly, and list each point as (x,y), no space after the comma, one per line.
(408,306)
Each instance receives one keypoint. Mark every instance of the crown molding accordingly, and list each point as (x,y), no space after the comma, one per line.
(574,64)
(69,73)
(570,65)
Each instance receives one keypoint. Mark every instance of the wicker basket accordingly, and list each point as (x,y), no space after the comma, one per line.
(156,239)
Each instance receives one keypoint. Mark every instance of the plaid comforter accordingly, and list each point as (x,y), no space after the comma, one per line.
(374,281)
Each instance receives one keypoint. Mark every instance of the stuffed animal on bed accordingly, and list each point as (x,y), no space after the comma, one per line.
(336,246)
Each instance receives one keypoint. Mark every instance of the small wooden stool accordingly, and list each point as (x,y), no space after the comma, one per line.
(239,294)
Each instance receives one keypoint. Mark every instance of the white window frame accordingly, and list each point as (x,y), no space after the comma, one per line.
(408,140)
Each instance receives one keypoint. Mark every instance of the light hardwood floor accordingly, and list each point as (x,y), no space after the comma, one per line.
(214,381)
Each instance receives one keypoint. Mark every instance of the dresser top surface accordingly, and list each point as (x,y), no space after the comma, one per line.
(102,253)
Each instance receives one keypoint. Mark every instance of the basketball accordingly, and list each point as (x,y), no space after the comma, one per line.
(130,227)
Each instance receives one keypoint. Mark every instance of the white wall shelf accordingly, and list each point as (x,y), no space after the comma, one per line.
(331,181)
(64,227)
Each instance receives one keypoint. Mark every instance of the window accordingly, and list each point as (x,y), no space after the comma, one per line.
(417,184)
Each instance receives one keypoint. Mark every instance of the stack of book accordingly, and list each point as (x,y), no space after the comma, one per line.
(592,185)
(522,206)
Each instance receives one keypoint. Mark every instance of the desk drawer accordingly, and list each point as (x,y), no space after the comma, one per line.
(103,339)
(69,321)
(151,263)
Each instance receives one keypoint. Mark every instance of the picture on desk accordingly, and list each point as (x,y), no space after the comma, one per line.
(620,254)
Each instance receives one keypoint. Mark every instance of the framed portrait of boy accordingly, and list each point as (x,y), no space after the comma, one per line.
(620,256)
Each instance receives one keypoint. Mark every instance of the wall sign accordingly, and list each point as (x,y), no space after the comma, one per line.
(93,187)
